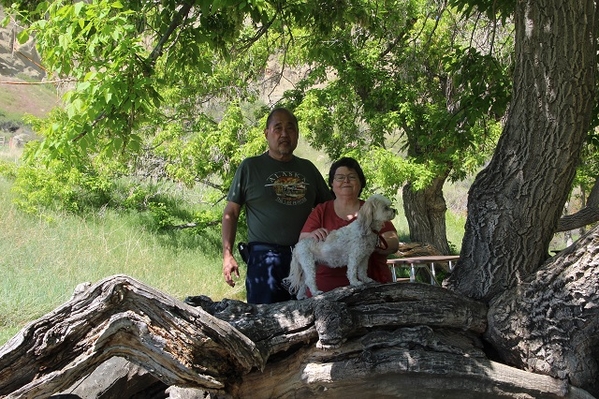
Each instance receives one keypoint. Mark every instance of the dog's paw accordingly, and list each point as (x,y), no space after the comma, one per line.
(301,295)
(368,280)
(355,283)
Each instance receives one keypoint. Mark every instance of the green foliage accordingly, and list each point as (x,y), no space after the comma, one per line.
(588,171)
(58,187)
(8,169)
(214,151)
(99,50)
(484,86)
(167,92)
(403,79)
(319,121)
(38,187)
(492,8)
(387,172)
(127,102)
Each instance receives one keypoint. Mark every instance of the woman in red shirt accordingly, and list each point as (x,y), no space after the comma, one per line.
(347,181)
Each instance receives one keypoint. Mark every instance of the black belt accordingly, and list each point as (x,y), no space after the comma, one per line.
(263,246)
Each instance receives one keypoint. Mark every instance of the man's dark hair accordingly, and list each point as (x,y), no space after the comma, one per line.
(281,109)
(349,163)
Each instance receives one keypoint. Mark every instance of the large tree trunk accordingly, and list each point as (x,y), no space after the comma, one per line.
(425,212)
(516,201)
(551,322)
(393,340)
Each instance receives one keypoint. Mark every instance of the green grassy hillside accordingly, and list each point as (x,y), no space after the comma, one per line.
(43,261)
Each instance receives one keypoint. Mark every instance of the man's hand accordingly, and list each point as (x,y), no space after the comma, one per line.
(230,268)
(229,229)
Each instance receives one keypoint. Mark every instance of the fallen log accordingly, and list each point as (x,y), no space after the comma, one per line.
(388,340)
(120,316)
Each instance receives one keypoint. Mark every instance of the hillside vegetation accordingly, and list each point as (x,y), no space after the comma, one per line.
(44,259)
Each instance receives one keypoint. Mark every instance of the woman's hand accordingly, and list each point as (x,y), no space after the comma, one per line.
(319,234)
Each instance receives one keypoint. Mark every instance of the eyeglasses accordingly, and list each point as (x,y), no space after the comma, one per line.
(341,178)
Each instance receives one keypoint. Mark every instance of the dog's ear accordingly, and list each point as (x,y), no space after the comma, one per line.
(366,217)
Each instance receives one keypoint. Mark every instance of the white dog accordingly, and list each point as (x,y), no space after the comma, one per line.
(350,245)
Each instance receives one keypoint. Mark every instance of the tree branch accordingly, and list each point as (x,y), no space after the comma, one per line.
(383,337)
(587,215)
(549,322)
(178,18)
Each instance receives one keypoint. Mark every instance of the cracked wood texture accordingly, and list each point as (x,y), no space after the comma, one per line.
(386,340)
(122,317)
(515,203)
(550,323)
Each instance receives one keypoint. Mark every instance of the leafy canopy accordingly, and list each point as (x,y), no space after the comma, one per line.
(173,91)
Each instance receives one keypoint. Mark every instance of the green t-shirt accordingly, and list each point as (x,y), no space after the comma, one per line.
(278,196)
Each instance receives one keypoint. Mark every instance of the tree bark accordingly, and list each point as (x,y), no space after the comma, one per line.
(122,317)
(425,212)
(516,201)
(384,340)
(587,215)
(550,323)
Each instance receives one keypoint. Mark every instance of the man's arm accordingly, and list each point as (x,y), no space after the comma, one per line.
(229,230)
(389,243)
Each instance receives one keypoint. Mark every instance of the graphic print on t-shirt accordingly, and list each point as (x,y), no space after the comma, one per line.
(289,187)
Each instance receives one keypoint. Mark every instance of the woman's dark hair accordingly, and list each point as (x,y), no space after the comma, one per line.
(349,163)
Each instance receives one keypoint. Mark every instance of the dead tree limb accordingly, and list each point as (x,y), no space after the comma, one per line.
(584,217)
(378,339)
(119,316)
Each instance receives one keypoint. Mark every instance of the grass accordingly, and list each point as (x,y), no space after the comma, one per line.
(19,99)
(42,262)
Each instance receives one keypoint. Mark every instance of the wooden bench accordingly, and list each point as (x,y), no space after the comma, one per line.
(425,262)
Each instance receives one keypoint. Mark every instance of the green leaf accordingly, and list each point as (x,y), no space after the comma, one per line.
(77,7)
(135,142)
(23,36)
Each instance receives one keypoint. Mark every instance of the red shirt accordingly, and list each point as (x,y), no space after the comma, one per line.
(328,278)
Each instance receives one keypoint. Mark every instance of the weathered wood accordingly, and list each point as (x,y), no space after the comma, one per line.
(585,216)
(119,316)
(388,340)
(411,249)
(373,367)
(515,203)
(550,323)
(275,328)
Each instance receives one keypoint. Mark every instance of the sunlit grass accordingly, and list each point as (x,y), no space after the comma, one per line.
(43,261)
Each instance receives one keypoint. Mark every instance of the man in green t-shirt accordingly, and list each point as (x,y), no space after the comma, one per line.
(279,191)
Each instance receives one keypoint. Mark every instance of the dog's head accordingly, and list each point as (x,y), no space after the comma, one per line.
(375,212)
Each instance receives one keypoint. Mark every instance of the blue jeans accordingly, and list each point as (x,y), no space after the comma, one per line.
(268,265)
